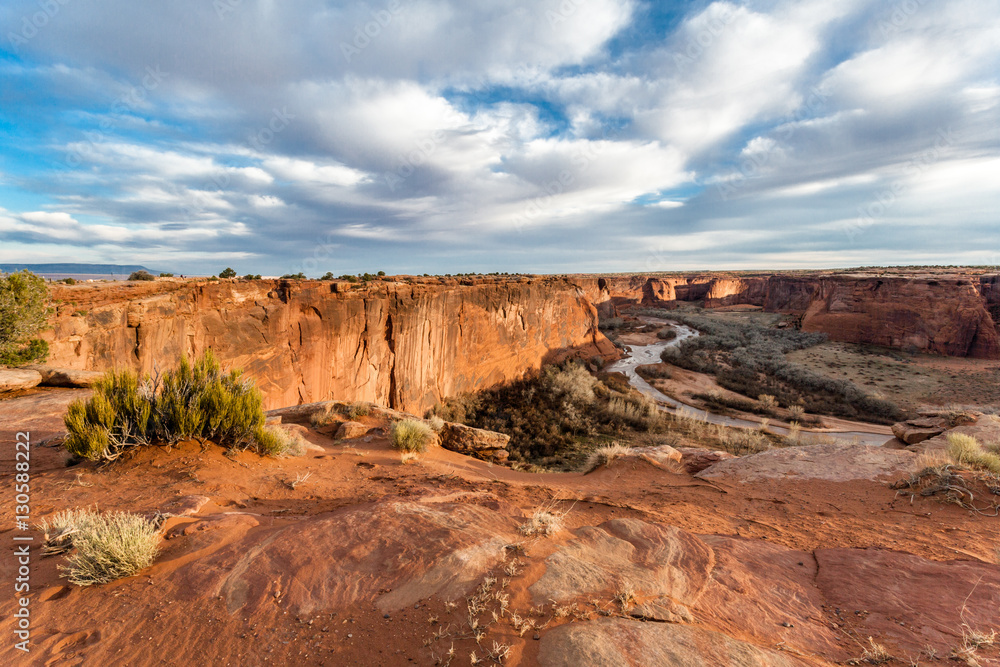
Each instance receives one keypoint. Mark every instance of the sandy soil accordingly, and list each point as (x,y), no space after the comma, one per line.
(908,380)
(97,626)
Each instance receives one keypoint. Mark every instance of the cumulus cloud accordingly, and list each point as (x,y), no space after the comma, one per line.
(436,135)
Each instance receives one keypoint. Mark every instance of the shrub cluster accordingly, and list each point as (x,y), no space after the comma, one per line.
(549,414)
(750,359)
(194,401)
(141,275)
(23,312)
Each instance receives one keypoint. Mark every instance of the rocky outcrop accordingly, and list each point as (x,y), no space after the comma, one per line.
(951,314)
(16,379)
(486,445)
(66,377)
(942,314)
(913,431)
(736,291)
(396,344)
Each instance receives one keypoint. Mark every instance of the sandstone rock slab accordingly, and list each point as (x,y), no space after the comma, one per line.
(838,462)
(15,379)
(696,460)
(474,441)
(66,377)
(620,642)
(917,430)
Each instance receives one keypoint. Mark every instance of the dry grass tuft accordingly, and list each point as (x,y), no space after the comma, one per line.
(967,451)
(875,653)
(604,455)
(276,442)
(410,435)
(108,546)
(544,521)
(407,458)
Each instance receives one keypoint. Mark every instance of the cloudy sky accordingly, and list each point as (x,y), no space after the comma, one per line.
(483,135)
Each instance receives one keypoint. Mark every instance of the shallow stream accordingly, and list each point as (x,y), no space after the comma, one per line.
(641,355)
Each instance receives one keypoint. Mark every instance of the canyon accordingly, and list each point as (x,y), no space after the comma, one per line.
(398,344)
(948,313)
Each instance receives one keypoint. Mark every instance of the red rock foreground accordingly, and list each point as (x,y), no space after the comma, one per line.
(347,556)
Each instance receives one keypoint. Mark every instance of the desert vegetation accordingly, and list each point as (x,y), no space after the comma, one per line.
(107,546)
(555,417)
(411,435)
(23,310)
(141,275)
(193,401)
(749,358)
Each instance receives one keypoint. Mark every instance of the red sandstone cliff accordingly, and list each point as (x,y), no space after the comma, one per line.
(400,345)
(941,314)
(952,314)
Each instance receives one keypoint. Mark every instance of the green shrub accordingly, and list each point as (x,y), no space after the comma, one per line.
(227,273)
(166,275)
(410,435)
(23,314)
(110,546)
(68,281)
(193,401)
(141,275)
(294,276)
(654,372)
(251,276)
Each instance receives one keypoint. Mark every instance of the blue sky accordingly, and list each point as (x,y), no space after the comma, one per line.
(445,136)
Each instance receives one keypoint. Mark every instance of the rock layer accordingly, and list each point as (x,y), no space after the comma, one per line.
(396,344)
(950,314)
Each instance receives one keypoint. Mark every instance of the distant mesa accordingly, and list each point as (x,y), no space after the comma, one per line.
(62,270)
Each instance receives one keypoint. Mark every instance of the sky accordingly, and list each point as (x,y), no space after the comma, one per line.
(448,136)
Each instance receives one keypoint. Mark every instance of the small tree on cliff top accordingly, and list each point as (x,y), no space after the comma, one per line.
(22,315)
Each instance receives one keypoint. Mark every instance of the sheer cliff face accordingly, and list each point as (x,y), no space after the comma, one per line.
(947,315)
(404,346)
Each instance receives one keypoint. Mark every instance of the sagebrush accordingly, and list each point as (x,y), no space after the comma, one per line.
(196,400)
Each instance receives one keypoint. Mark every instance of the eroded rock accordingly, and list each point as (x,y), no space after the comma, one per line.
(838,462)
(16,379)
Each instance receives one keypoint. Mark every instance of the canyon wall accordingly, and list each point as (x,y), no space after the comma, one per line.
(951,314)
(401,345)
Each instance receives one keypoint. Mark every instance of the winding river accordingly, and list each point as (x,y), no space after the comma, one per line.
(641,355)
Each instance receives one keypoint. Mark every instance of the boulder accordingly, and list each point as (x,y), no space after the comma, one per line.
(696,460)
(917,430)
(474,441)
(66,377)
(663,455)
(350,430)
(15,379)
